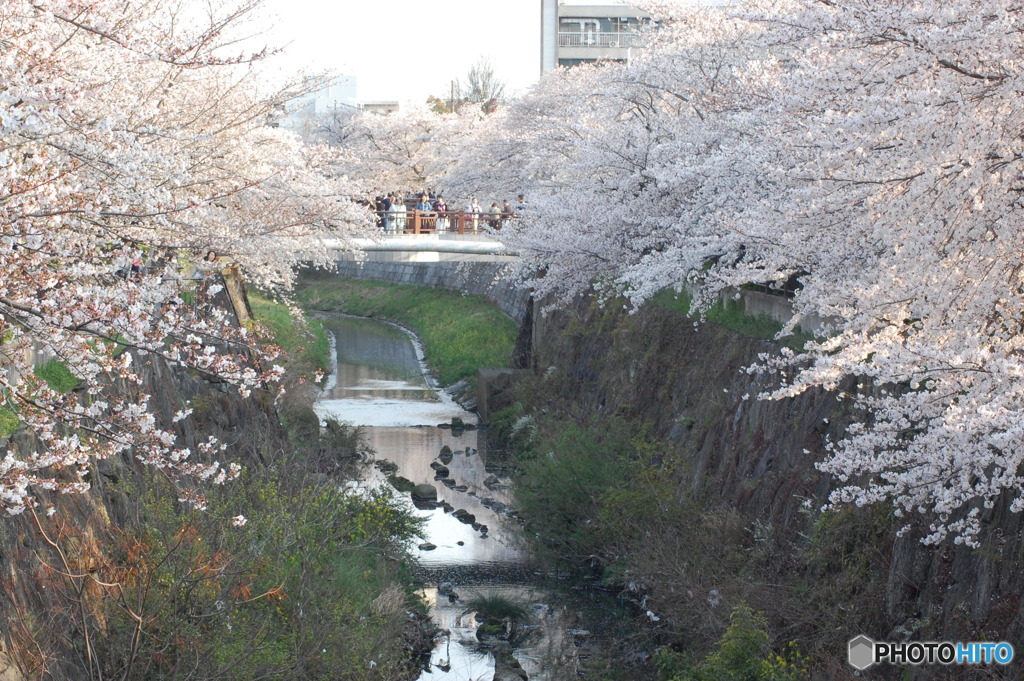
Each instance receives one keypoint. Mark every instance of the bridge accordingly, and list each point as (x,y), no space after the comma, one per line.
(456,236)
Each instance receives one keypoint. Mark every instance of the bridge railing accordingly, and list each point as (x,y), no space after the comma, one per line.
(435,222)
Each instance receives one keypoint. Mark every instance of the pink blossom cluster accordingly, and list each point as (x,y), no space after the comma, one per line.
(865,156)
(136,163)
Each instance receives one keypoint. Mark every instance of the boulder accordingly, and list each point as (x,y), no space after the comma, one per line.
(427,546)
(446,455)
(441,472)
(464,516)
(424,492)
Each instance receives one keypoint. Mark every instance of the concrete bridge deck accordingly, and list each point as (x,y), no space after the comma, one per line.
(434,247)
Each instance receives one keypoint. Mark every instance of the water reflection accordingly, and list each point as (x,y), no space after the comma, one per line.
(378,379)
(379,384)
(413,450)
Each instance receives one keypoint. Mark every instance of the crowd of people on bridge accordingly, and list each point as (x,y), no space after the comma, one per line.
(398,211)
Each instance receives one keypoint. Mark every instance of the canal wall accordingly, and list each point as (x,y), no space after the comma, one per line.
(759,537)
(89,528)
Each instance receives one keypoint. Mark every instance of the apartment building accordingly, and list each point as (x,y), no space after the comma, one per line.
(578,34)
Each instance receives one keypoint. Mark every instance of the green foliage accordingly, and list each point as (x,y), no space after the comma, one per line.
(742,649)
(848,556)
(57,376)
(790,665)
(514,430)
(672,665)
(676,301)
(569,473)
(493,607)
(731,315)
(303,341)
(499,615)
(403,485)
(742,654)
(9,422)
(309,588)
(460,333)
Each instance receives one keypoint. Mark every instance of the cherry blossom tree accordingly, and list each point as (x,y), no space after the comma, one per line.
(407,150)
(135,163)
(869,150)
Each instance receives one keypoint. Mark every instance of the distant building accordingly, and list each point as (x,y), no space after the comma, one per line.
(379,107)
(302,111)
(579,34)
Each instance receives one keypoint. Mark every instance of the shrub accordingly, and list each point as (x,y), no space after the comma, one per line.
(742,654)
(295,593)
(498,614)
(511,429)
(563,484)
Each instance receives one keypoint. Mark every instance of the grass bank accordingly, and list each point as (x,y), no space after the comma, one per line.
(732,316)
(460,333)
(57,376)
(303,341)
(313,586)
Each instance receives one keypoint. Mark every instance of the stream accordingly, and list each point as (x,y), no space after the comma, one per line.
(380,384)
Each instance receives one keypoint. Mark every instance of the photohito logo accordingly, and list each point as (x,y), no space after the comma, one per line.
(863,652)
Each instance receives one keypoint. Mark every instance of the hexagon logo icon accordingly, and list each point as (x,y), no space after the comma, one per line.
(861,652)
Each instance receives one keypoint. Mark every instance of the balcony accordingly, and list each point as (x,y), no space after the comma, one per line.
(605,40)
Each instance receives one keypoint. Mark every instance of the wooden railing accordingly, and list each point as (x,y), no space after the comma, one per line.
(434,222)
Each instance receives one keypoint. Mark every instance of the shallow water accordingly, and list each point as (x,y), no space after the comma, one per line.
(379,383)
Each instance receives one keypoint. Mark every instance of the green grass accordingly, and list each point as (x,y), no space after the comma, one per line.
(460,333)
(57,376)
(313,589)
(9,421)
(303,340)
(732,316)
(493,608)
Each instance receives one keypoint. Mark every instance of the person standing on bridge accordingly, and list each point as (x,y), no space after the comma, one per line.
(425,210)
(378,208)
(396,215)
(441,208)
(387,211)
(473,216)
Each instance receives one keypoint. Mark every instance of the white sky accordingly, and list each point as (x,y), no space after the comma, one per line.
(405,50)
